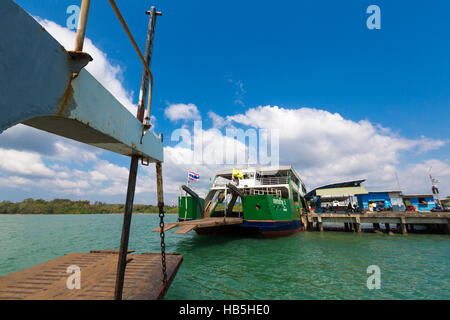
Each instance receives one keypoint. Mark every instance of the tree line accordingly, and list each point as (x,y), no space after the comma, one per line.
(67,206)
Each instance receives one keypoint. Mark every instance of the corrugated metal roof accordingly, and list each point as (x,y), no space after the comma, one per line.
(353,183)
(417,196)
(346,184)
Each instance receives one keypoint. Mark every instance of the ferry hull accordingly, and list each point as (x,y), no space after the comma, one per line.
(268,229)
(273,229)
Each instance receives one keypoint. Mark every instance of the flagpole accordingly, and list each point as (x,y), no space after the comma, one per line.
(185,199)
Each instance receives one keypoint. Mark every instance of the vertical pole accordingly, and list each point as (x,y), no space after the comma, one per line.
(148,58)
(185,200)
(121,265)
(82,22)
(320,224)
(447,228)
(403,226)
(352,225)
(226,204)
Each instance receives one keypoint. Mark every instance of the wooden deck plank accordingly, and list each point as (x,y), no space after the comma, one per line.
(185,229)
(47,281)
(200,223)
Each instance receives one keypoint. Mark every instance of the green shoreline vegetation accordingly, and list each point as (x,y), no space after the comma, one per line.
(67,206)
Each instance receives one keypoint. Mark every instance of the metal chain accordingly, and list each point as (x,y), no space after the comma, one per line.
(163,248)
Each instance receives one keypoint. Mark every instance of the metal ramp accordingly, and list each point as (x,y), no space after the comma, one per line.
(193,194)
(235,194)
(212,200)
(189,225)
(48,280)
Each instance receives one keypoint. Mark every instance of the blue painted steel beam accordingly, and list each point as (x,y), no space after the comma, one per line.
(37,88)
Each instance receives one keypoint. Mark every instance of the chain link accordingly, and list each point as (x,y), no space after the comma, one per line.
(163,248)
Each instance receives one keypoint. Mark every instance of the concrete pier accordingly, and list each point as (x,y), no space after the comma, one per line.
(319,224)
(436,222)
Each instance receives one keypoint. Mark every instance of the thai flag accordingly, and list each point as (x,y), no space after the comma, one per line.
(193,176)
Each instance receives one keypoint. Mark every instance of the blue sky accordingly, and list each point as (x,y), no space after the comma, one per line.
(231,57)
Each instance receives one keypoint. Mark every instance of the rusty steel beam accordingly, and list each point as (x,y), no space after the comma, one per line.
(121,265)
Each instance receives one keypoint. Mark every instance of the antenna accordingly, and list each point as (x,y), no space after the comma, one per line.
(434,188)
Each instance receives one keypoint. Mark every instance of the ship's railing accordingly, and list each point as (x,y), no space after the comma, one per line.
(263,191)
(262,181)
(273,180)
(219,185)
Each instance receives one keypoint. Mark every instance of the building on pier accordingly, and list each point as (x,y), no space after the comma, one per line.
(336,196)
(419,202)
(384,200)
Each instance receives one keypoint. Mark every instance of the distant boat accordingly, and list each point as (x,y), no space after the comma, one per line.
(271,203)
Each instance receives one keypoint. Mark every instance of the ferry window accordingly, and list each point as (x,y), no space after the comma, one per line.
(258,207)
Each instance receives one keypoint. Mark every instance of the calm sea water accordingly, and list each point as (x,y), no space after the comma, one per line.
(308,265)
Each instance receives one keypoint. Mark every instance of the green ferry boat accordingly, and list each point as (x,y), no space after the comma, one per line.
(265,200)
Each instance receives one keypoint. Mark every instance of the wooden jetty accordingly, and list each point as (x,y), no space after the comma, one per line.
(404,220)
(48,281)
(189,225)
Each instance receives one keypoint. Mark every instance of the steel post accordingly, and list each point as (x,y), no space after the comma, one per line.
(121,265)
(82,22)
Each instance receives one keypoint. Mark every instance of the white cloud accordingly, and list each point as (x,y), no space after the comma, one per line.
(239,92)
(16,182)
(23,163)
(25,138)
(181,111)
(325,148)
(218,121)
(414,178)
(426,144)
